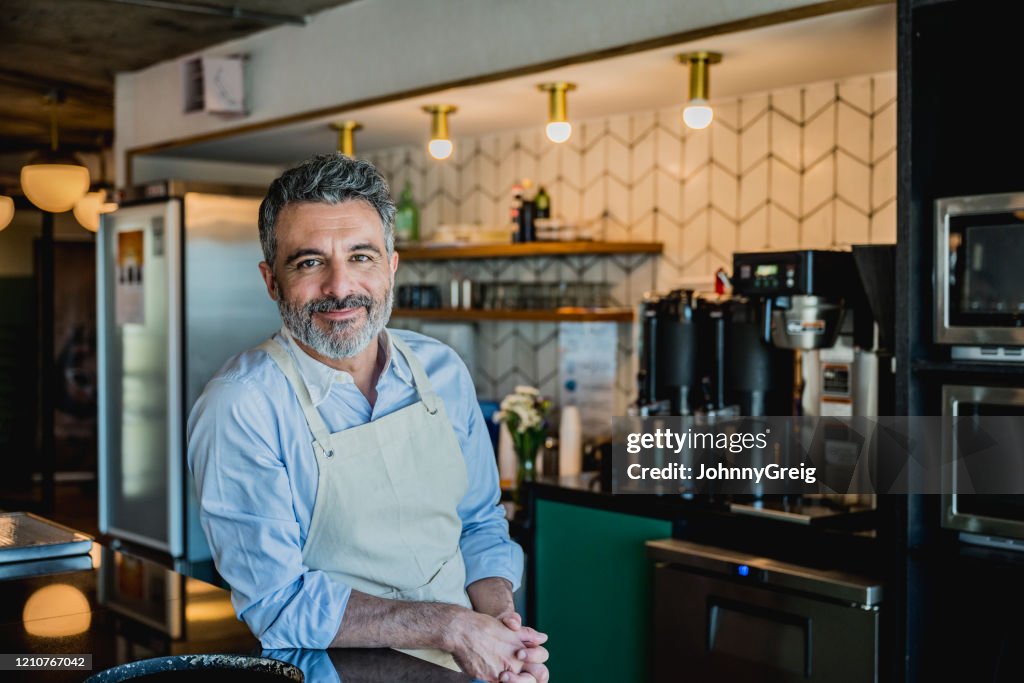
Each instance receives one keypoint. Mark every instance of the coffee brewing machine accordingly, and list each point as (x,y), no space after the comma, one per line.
(806,332)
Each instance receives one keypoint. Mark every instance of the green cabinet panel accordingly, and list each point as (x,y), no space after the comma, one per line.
(593,591)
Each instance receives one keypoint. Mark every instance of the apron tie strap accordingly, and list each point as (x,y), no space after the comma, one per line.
(321,434)
(431,401)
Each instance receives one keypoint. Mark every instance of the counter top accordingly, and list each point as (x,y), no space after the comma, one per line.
(120,608)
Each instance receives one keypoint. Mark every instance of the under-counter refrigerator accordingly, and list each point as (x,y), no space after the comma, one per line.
(178,293)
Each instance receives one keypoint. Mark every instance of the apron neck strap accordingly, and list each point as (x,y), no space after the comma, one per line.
(285,361)
(419,375)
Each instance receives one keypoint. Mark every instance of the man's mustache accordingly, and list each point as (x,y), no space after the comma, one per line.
(330,304)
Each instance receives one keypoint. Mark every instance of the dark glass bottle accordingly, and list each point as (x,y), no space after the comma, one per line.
(527,230)
(543,202)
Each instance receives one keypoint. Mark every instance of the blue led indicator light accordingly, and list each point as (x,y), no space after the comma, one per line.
(743,570)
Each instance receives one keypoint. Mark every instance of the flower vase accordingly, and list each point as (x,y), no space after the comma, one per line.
(525,472)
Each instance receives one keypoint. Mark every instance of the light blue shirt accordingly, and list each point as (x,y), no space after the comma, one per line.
(250,453)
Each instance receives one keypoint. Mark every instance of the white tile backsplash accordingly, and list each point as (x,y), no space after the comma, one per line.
(806,167)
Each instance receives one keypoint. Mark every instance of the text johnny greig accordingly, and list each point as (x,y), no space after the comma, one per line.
(735,442)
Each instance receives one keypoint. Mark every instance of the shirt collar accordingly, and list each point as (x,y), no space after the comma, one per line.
(320,377)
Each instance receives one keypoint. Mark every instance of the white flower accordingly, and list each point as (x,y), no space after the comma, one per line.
(527,390)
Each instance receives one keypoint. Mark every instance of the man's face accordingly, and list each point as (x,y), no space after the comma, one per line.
(332,278)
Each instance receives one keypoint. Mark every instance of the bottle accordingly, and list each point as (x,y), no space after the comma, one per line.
(527,229)
(517,201)
(407,217)
(543,202)
(570,442)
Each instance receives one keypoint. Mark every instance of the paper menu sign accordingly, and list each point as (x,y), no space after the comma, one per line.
(129,287)
(586,373)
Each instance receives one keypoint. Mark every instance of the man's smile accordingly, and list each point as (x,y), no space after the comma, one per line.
(344,313)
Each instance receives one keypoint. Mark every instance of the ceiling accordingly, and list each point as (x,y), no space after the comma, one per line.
(78,46)
(834,46)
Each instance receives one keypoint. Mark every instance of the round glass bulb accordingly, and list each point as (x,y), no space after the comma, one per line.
(558,131)
(6,211)
(88,209)
(54,187)
(698,114)
(440,149)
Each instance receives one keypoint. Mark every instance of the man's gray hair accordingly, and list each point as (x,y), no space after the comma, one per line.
(327,179)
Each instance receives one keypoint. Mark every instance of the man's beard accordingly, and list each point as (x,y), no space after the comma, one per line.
(344,338)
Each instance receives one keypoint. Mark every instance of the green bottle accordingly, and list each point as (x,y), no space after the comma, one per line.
(407,217)
(543,202)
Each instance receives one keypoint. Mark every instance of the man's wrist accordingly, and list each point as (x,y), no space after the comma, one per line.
(492,596)
(450,633)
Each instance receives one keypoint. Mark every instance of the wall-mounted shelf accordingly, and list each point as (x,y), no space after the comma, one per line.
(565,314)
(525,249)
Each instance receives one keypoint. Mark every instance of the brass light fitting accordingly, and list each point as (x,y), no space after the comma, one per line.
(440,146)
(698,113)
(558,129)
(346,136)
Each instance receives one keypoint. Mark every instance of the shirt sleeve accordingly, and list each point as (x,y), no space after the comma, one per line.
(245,508)
(487,549)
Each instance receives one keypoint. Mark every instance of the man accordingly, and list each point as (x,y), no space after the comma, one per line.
(345,477)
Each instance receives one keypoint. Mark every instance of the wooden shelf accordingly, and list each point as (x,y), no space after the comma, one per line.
(423,252)
(618,315)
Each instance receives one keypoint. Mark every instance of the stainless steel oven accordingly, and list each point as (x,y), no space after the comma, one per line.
(983,518)
(723,615)
(979,276)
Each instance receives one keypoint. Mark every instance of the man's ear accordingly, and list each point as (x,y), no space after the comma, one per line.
(269,280)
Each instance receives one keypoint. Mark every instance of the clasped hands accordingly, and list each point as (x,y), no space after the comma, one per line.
(498,649)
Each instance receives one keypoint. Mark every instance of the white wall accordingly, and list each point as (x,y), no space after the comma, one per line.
(375,48)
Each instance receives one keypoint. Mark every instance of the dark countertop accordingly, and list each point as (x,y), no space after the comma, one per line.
(120,608)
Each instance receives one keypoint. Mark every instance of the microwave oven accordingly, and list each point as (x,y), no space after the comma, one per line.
(988,519)
(979,276)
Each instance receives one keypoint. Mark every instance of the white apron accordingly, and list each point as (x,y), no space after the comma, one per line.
(385,520)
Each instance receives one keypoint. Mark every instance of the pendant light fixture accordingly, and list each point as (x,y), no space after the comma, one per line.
(89,208)
(51,180)
(6,211)
(347,136)
(558,129)
(698,113)
(440,146)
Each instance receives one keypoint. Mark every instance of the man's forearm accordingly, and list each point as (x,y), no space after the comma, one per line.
(378,622)
(491,596)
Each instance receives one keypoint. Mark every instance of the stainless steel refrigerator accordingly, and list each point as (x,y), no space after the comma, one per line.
(178,293)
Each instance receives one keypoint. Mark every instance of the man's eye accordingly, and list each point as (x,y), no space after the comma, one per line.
(361,258)
(308,263)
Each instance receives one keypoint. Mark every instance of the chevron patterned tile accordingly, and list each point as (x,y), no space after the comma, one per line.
(817,229)
(752,108)
(783,229)
(818,185)
(819,135)
(816,97)
(696,151)
(753,231)
(754,142)
(852,225)
(853,182)
(724,190)
(853,132)
(883,131)
(883,224)
(753,190)
(786,140)
(725,147)
(883,181)
(856,92)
